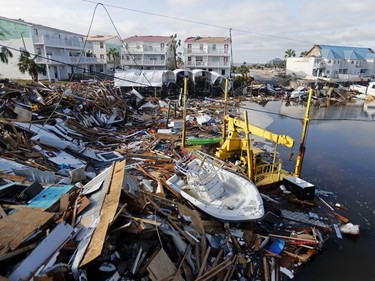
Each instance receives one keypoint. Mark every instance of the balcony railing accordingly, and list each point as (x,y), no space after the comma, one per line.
(206,51)
(207,64)
(145,62)
(148,50)
(52,59)
(74,43)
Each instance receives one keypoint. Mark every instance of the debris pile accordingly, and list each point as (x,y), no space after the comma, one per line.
(84,195)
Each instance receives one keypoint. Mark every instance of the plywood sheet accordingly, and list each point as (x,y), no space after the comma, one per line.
(162,268)
(107,214)
(194,216)
(18,226)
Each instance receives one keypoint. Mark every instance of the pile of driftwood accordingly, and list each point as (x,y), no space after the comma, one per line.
(83,195)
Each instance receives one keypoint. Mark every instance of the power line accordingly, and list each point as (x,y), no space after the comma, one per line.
(201,23)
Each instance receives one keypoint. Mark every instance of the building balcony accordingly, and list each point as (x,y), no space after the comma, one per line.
(148,50)
(71,43)
(207,64)
(200,51)
(145,62)
(51,59)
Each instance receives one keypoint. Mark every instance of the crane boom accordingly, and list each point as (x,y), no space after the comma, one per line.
(240,125)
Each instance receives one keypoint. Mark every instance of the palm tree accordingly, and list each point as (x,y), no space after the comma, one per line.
(176,59)
(28,64)
(113,56)
(5,53)
(303,54)
(290,53)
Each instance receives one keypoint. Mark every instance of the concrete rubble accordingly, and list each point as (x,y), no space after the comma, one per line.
(83,193)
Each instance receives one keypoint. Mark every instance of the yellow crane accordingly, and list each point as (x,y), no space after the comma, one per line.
(237,146)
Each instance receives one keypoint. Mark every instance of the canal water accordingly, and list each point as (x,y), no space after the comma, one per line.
(340,158)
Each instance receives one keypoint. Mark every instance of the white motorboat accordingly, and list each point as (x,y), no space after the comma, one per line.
(223,194)
(366,90)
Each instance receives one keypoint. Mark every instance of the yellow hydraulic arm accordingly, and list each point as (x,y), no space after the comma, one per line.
(233,142)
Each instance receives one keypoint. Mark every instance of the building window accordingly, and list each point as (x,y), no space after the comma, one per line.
(226,48)
(162,47)
(39,51)
(162,57)
(199,60)
(101,45)
(36,31)
(189,48)
(201,47)
(102,56)
(214,47)
(352,62)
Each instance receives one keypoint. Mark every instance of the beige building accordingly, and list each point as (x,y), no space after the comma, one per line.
(208,53)
(103,45)
(147,53)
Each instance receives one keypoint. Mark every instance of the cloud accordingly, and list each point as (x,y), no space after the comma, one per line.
(261,29)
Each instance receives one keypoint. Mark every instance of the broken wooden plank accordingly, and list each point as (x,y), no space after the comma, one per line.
(162,268)
(18,226)
(107,214)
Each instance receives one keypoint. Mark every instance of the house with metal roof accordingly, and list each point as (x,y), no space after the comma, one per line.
(208,53)
(333,62)
(147,53)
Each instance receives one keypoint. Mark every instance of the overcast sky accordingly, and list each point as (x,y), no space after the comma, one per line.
(261,29)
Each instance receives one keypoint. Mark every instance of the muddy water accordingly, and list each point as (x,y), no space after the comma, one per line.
(340,157)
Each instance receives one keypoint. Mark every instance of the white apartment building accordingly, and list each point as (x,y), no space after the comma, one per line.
(147,53)
(102,46)
(208,53)
(62,52)
(333,62)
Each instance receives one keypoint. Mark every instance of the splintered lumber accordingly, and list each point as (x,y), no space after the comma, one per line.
(17,252)
(340,217)
(18,226)
(2,212)
(194,216)
(181,231)
(107,214)
(204,261)
(162,268)
(266,269)
(213,271)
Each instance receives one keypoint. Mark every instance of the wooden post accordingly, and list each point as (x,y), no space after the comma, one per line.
(184,113)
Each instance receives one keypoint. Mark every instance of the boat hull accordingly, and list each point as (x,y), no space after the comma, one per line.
(226,195)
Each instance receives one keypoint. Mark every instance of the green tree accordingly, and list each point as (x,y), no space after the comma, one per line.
(28,64)
(113,57)
(303,54)
(243,69)
(5,53)
(290,53)
(176,61)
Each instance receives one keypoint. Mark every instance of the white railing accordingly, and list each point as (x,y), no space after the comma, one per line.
(51,59)
(145,62)
(58,42)
(206,51)
(208,64)
(141,50)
